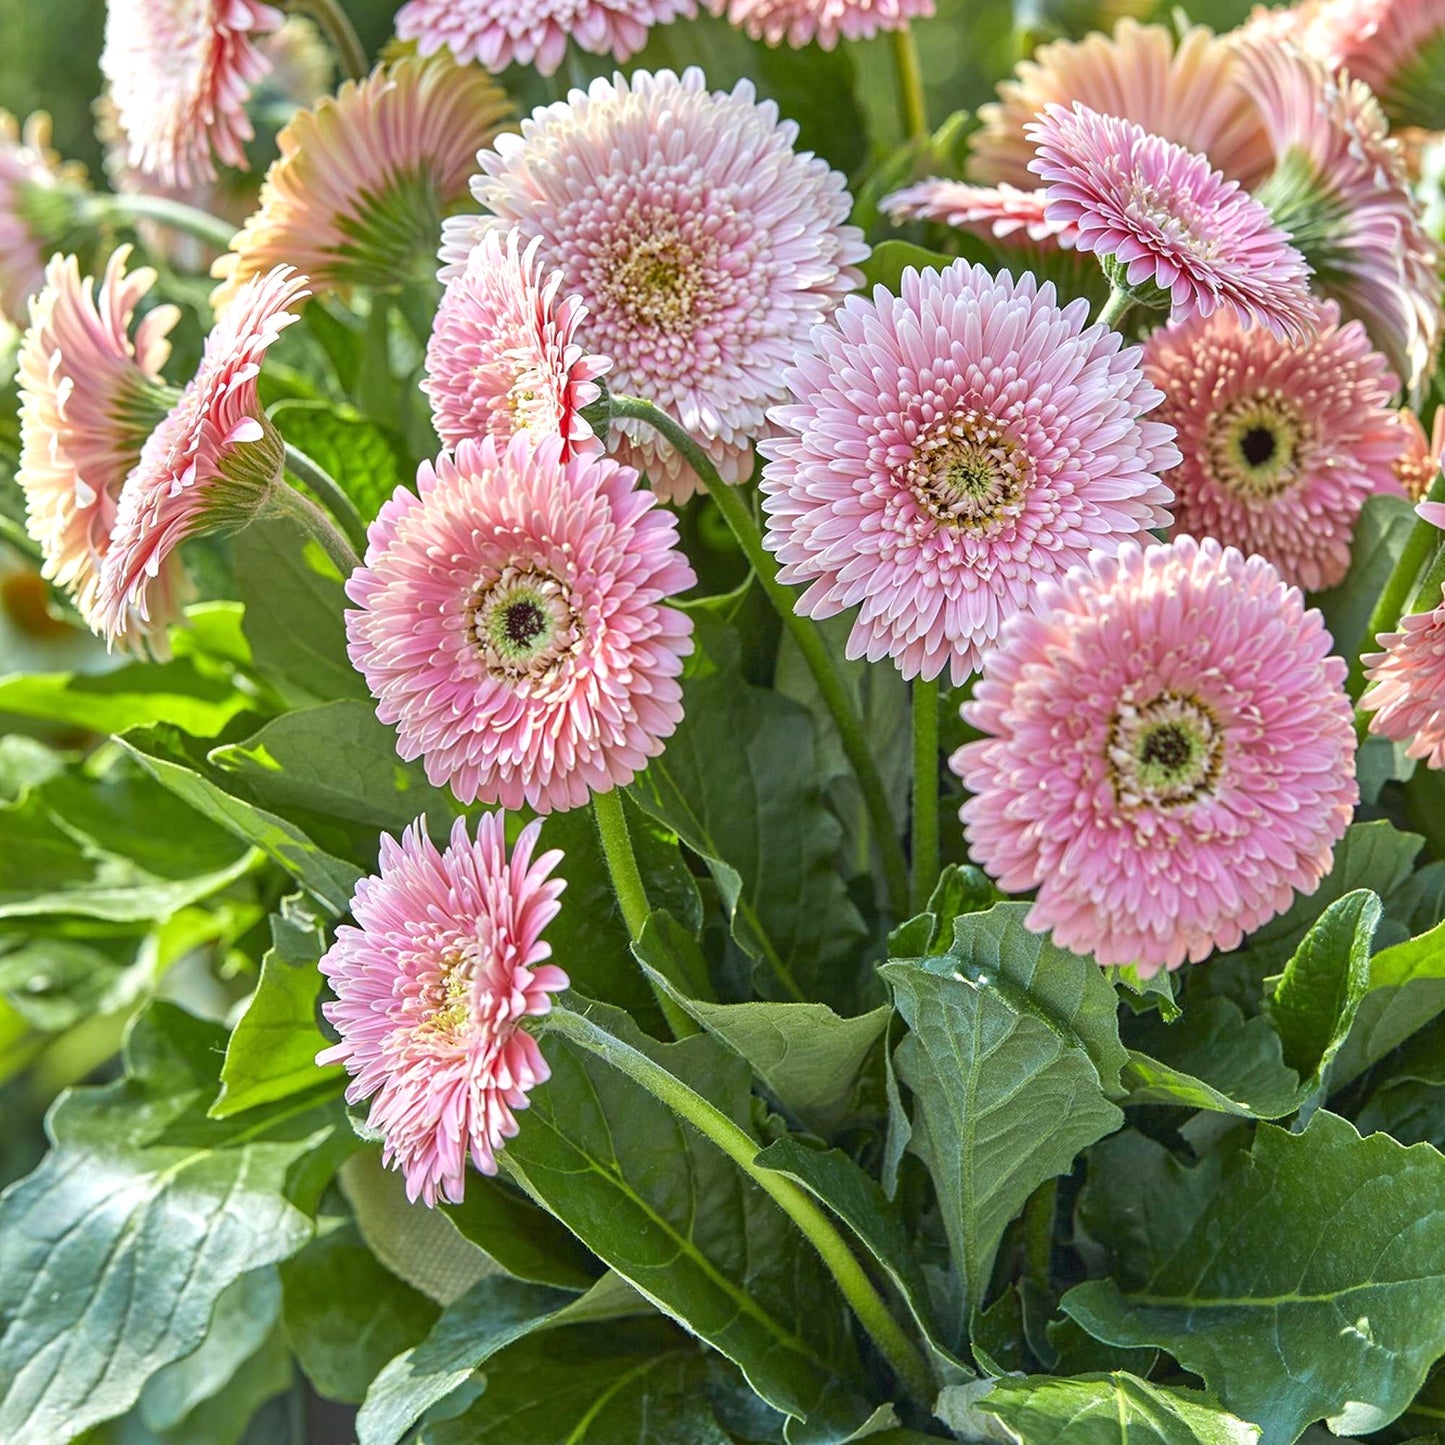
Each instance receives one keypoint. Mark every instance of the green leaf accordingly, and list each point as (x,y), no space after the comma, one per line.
(362,458)
(1300,1279)
(25,763)
(885,267)
(54,983)
(114,1252)
(525,1241)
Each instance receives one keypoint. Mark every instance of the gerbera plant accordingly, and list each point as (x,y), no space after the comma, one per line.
(697,754)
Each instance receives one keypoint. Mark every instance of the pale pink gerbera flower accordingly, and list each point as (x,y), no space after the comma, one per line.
(703,246)
(949,450)
(210,462)
(1421,456)
(179,72)
(1282,443)
(1341,191)
(1168,754)
(997,213)
(1186,90)
(1166,219)
(31,175)
(357,195)
(433,984)
(503,355)
(801,22)
(513,625)
(1397,47)
(91,392)
(498,33)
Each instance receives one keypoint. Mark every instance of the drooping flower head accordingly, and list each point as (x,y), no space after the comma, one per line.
(514,625)
(1168,754)
(210,461)
(503,355)
(1186,91)
(997,213)
(1166,219)
(357,195)
(1282,442)
(803,22)
(948,450)
(433,983)
(91,392)
(535,33)
(1421,456)
(31,174)
(179,72)
(703,246)
(1340,190)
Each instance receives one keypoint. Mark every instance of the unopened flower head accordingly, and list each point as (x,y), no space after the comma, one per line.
(1168,754)
(947,451)
(513,623)
(32,179)
(823,22)
(434,983)
(702,244)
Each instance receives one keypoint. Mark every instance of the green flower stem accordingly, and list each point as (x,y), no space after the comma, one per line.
(125,209)
(805,634)
(908,76)
(742,1149)
(1115,308)
(925,791)
(329,15)
(285,501)
(341,507)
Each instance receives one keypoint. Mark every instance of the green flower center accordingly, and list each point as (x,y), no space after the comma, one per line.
(523,624)
(1165,753)
(1256,444)
(969,473)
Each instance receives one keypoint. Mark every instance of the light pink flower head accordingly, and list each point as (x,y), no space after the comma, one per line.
(1397,47)
(503,355)
(30,173)
(1166,219)
(433,984)
(801,22)
(179,72)
(950,449)
(1421,456)
(997,213)
(1168,754)
(513,623)
(1282,443)
(91,392)
(703,246)
(499,33)
(210,462)
(1341,190)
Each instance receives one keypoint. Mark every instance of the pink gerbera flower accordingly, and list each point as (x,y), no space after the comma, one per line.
(503,355)
(513,625)
(91,391)
(949,449)
(433,984)
(1166,219)
(210,462)
(801,22)
(1168,754)
(703,246)
(1397,47)
(1421,456)
(1282,443)
(499,34)
(179,72)
(30,175)
(998,213)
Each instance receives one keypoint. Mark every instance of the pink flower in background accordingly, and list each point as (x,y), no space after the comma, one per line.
(703,246)
(513,623)
(948,450)
(1169,754)
(432,985)
(1419,461)
(211,460)
(803,22)
(91,391)
(1282,443)
(29,170)
(503,355)
(1168,219)
(498,33)
(179,72)
(998,213)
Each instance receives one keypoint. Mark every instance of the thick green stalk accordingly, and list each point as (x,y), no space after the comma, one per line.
(286,501)
(743,1149)
(125,208)
(805,635)
(908,77)
(1115,308)
(341,507)
(329,15)
(925,791)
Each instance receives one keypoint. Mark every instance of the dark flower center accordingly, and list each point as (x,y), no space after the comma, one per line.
(968,472)
(1166,752)
(1167,748)
(1257,445)
(523,624)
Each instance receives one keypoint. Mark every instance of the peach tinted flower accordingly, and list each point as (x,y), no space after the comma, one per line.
(1419,461)
(30,174)
(804,22)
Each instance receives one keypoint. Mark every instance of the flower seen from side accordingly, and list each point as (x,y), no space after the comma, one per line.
(1420,457)
(31,177)
(999,213)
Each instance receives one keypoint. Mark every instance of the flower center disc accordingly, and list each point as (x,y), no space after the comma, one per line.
(1254,446)
(523,624)
(655,282)
(968,473)
(1165,753)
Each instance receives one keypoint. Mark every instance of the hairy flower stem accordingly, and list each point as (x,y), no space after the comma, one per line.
(124,209)
(332,19)
(925,791)
(908,76)
(341,507)
(743,1149)
(1115,308)
(285,501)
(805,635)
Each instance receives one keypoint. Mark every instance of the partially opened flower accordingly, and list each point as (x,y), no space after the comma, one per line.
(1421,457)
(179,72)
(998,213)
(535,33)
(1340,190)
(210,462)
(31,174)
(434,983)
(1166,219)
(1397,47)
(514,625)
(91,392)
(950,449)
(1168,754)
(357,195)
(1282,442)
(703,246)
(503,355)
(804,22)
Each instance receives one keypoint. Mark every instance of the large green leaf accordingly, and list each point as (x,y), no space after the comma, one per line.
(114,1252)
(365,461)
(1301,1279)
